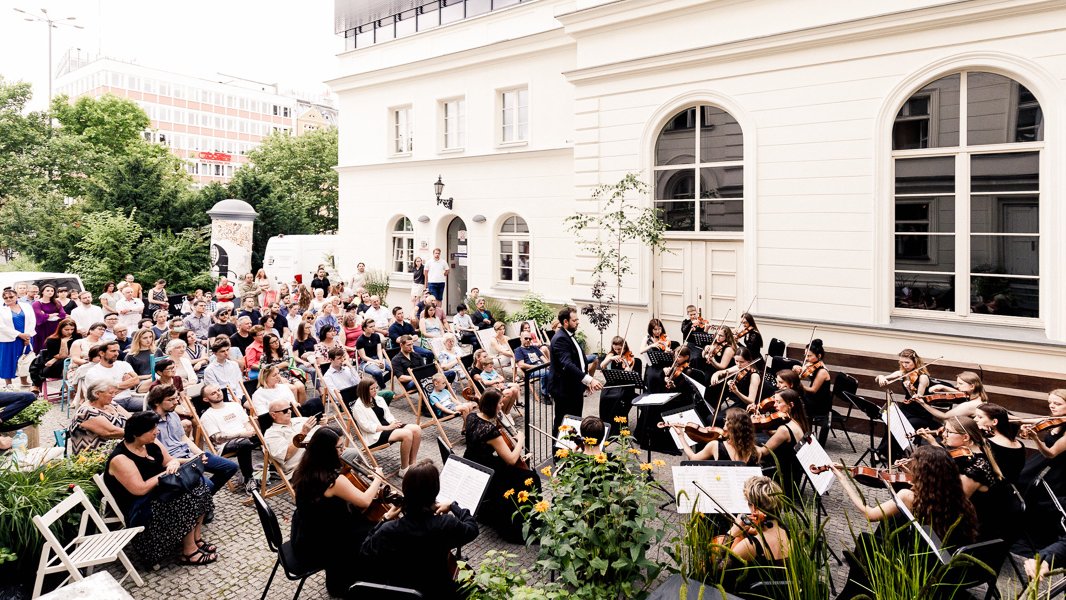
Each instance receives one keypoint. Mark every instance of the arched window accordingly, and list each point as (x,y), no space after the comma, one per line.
(700,144)
(403,245)
(514,250)
(966,156)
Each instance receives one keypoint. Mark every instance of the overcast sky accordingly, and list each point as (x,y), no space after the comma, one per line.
(274,41)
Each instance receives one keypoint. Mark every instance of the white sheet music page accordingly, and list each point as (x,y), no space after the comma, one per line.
(655,399)
(810,453)
(462,483)
(899,425)
(687,416)
(726,484)
(563,441)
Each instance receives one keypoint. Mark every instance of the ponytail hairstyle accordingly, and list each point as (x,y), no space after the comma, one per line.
(1002,418)
(970,428)
(796,410)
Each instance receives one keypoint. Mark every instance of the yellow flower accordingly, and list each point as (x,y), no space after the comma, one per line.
(542,506)
(42,476)
(523,496)
(601,458)
(508,493)
(547,471)
(658,462)
(624,433)
(591,441)
(565,428)
(528,482)
(621,419)
(562,453)
(645,466)
(632,451)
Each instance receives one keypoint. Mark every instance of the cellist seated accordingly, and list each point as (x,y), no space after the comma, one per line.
(423,536)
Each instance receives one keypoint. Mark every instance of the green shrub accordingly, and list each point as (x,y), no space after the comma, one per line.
(31,415)
(377,284)
(534,308)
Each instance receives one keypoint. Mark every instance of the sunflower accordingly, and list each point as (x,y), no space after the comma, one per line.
(528,482)
(547,471)
(624,433)
(562,453)
(523,496)
(601,458)
(542,506)
(621,419)
(508,493)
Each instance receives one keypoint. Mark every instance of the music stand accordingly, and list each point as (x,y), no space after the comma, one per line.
(645,400)
(621,378)
(659,358)
(700,339)
(872,411)
(685,414)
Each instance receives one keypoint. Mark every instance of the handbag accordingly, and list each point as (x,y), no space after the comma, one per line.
(187,478)
(22,369)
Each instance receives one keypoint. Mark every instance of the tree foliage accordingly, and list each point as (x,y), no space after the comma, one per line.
(302,172)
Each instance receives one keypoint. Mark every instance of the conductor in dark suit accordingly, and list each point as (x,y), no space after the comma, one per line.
(569,377)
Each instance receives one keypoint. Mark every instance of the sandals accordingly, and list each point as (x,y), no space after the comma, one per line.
(206,547)
(198,558)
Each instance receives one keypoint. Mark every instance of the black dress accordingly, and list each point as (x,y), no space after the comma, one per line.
(753,341)
(1041,516)
(648,434)
(788,475)
(818,403)
(1010,461)
(995,506)
(320,528)
(495,510)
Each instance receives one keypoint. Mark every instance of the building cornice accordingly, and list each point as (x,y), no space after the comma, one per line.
(855,30)
(462,158)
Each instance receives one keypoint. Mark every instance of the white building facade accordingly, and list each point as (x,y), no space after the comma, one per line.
(891,173)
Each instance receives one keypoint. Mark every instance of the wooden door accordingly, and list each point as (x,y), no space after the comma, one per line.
(703,273)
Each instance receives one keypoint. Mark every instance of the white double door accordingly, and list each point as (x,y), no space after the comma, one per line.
(704,273)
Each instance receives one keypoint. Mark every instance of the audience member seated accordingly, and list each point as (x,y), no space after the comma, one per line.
(482,317)
(444,402)
(11,404)
(529,356)
(423,536)
(56,350)
(227,426)
(463,326)
(223,371)
(273,387)
(140,354)
(489,379)
(371,347)
(279,437)
(98,420)
(163,400)
(378,313)
(400,328)
(340,375)
(119,373)
(132,476)
(379,426)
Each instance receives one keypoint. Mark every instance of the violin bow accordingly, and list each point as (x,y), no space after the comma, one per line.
(750,304)
(685,341)
(914,370)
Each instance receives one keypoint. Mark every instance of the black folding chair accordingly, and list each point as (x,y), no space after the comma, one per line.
(776,347)
(378,591)
(287,559)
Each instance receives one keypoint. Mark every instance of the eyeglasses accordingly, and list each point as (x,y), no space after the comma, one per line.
(527,339)
(283,411)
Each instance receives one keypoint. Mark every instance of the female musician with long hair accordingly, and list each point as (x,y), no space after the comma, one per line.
(815,380)
(379,426)
(780,449)
(737,444)
(657,338)
(489,445)
(936,499)
(968,383)
(746,385)
(749,334)
(762,543)
(719,355)
(1002,436)
(914,380)
(329,510)
(423,536)
(616,401)
(963,438)
(1048,466)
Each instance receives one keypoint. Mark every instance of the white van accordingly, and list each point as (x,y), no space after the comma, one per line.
(72,282)
(287,255)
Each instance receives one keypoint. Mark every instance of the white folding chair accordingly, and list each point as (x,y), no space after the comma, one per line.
(108,503)
(84,551)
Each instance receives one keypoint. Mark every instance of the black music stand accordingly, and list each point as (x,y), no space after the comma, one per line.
(659,358)
(620,378)
(641,402)
(700,339)
(698,421)
(872,410)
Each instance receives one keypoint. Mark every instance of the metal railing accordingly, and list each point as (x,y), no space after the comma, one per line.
(420,18)
(541,416)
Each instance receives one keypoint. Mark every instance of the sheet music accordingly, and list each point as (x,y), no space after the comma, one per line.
(655,399)
(726,484)
(463,483)
(699,387)
(563,441)
(899,425)
(810,453)
(685,416)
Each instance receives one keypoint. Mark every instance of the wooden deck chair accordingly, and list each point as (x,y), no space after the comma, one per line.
(201,439)
(108,504)
(465,364)
(268,461)
(423,377)
(485,337)
(85,550)
(368,450)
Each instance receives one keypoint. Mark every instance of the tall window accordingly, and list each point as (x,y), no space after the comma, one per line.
(699,171)
(966,153)
(403,245)
(514,251)
(514,115)
(401,131)
(453,115)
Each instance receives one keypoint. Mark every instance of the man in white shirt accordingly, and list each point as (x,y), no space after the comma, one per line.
(223,371)
(436,275)
(381,315)
(227,425)
(119,373)
(199,321)
(279,437)
(130,309)
(85,314)
(339,375)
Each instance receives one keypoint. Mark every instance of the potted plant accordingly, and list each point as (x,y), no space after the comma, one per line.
(377,284)
(29,419)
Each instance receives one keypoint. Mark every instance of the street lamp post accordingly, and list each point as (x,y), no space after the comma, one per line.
(52,24)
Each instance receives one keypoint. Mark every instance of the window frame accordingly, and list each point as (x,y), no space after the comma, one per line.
(501,116)
(459,121)
(401,238)
(514,237)
(963,232)
(401,139)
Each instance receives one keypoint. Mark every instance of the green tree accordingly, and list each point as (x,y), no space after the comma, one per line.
(277,213)
(110,246)
(180,258)
(303,171)
(110,124)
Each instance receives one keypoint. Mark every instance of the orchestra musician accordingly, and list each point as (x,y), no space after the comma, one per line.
(968,383)
(616,401)
(748,334)
(914,379)
(692,323)
(759,541)
(648,434)
(814,379)
(780,449)
(719,355)
(737,444)
(746,383)
(935,499)
(330,510)
(1049,438)
(657,338)
(423,536)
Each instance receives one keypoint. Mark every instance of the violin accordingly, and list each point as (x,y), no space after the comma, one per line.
(627,359)
(960,452)
(770,420)
(942,397)
(663,342)
(508,438)
(1043,425)
(386,499)
(700,434)
(870,476)
(750,525)
(809,369)
(699,322)
(744,331)
(762,405)
(679,368)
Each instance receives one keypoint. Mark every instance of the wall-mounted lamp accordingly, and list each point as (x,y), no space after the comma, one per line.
(479,218)
(438,187)
(423,219)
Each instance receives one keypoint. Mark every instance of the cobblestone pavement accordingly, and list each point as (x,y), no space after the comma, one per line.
(245,561)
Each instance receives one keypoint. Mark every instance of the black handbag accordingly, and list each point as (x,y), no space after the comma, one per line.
(187,478)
